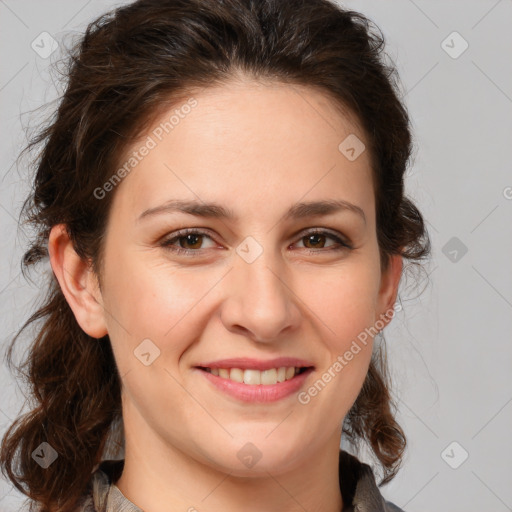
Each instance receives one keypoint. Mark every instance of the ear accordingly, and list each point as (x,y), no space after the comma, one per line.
(78,283)
(389,289)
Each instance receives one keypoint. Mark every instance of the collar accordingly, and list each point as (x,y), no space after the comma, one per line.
(357,484)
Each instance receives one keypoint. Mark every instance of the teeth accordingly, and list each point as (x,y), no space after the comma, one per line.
(266,377)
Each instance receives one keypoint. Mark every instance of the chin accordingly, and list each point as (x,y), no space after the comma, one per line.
(254,458)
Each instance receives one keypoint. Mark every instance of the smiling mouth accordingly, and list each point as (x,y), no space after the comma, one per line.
(268,377)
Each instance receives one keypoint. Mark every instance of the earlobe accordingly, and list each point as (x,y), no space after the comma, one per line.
(389,288)
(78,283)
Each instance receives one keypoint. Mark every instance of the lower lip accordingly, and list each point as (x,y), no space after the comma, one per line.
(258,392)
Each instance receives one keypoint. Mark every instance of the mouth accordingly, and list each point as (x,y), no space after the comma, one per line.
(256,386)
(252,377)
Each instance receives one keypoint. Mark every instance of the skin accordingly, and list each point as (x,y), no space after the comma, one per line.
(257,149)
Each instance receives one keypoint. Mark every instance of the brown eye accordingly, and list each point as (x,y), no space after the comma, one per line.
(192,241)
(315,241)
(189,242)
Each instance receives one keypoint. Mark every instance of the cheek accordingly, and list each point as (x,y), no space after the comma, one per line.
(343,301)
(156,302)
(343,304)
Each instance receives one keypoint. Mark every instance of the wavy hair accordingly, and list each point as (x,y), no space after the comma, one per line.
(130,64)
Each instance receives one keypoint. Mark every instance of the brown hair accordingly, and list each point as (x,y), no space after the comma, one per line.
(129,64)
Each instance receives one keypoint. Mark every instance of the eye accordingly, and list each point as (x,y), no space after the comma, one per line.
(189,241)
(314,241)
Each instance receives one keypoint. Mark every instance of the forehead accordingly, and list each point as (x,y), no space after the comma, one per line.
(237,142)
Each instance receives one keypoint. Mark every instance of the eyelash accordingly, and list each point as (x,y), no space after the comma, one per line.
(167,243)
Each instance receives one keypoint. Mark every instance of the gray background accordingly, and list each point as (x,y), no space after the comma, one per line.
(450,349)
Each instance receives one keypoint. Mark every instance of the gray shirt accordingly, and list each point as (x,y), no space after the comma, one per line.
(357,484)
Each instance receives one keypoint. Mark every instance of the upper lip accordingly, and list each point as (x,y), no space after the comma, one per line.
(245,363)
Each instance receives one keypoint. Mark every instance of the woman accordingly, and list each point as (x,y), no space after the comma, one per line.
(221,199)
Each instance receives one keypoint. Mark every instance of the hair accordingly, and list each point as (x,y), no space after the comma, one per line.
(130,64)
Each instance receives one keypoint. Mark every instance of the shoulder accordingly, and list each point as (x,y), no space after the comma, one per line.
(359,488)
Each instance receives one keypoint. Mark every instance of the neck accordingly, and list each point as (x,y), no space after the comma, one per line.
(158,477)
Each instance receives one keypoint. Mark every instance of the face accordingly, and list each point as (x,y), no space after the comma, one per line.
(257,277)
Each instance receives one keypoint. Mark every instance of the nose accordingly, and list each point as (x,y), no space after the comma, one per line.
(260,303)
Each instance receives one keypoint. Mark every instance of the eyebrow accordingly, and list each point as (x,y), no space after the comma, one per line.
(214,210)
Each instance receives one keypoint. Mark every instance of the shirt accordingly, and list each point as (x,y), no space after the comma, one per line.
(357,485)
